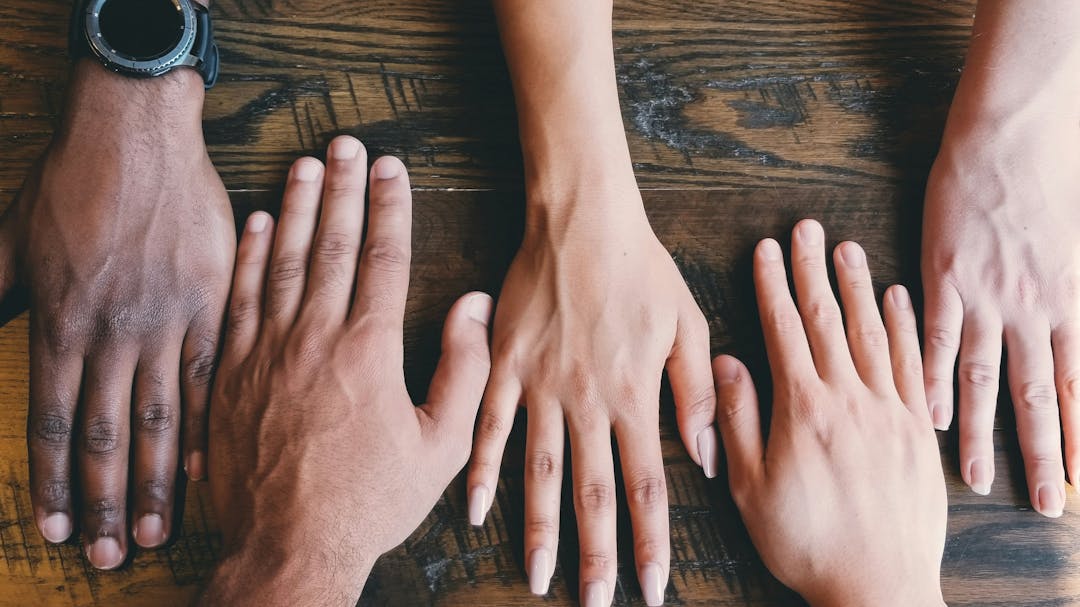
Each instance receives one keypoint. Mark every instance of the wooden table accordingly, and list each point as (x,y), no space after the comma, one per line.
(743,117)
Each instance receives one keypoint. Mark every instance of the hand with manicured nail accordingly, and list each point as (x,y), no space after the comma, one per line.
(846,501)
(319,462)
(592,312)
(1001,259)
(126,241)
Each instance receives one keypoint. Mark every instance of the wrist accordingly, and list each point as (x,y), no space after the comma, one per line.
(905,593)
(278,571)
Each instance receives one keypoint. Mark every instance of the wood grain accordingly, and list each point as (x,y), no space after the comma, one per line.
(742,118)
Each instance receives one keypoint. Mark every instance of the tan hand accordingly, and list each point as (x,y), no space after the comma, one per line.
(319,461)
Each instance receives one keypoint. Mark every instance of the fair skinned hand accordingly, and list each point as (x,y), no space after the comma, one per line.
(591,312)
(319,462)
(125,242)
(1001,258)
(846,501)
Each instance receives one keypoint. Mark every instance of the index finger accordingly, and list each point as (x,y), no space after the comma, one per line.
(785,338)
(382,283)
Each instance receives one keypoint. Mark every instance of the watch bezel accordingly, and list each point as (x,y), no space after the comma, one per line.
(146,67)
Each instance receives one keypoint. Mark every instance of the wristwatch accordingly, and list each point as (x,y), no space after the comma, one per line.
(145,38)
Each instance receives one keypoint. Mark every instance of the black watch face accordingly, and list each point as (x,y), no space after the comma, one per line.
(142,29)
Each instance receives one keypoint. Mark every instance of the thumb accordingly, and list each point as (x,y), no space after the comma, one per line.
(740,421)
(462,374)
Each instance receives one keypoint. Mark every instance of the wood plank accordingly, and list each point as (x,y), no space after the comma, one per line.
(715,95)
(999,552)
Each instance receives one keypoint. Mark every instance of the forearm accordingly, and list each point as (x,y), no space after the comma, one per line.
(563,69)
(1023,64)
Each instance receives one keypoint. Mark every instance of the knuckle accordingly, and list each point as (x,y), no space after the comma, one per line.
(784,322)
(392,199)
(490,428)
(823,313)
(596,561)
(54,494)
(871,335)
(595,498)
(106,511)
(335,248)
(942,339)
(1070,387)
(543,466)
(52,429)
(60,333)
(979,374)
(541,525)
(287,270)
(647,547)
(1038,398)
(156,491)
(155,418)
(649,492)
(702,404)
(385,255)
(199,371)
(242,311)
(911,365)
(101,436)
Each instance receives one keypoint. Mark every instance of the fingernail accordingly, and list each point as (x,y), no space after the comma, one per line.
(1051,501)
(306,170)
(195,466)
(480,308)
(811,232)
(478,504)
(940,416)
(853,255)
(539,571)
(56,528)
(105,553)
(770,249)
(727,370)
(387,168)
(900,297)
(149,532)
(345,148)
(652,584)
(595,595)
(256,223)
(980,476)
(707,451)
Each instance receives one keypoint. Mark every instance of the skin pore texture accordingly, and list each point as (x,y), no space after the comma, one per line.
(1001,258)
(125,259)
(592,311)
(846,501)
(319,462)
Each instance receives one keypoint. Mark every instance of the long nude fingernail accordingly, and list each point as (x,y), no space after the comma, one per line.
(652,584)
(478,505)
(707,451)
(595,595)
(539,571)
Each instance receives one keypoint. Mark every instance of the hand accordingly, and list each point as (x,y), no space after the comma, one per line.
(846,503)
(591,311)
(1000,253)
(126,242)
(319,462)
